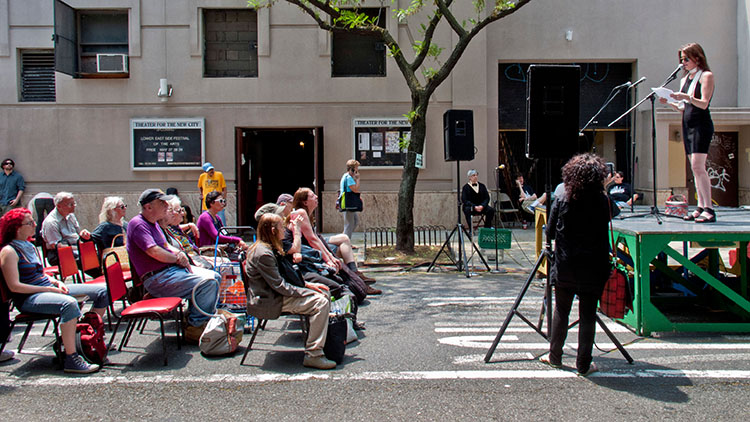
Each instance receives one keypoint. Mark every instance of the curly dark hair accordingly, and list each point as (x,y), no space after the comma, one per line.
(584,174)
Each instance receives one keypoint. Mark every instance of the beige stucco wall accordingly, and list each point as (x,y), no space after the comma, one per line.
(82,141)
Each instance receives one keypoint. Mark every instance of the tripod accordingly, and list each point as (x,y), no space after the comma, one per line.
(547,305)
(462,263)
(652,97)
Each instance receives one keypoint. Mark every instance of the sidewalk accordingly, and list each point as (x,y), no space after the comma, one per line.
(520,257)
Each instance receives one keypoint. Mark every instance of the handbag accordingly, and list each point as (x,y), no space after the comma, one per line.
(335,346)
(350,201)
(676,205)
(121,251)
(221,335)
(616,298)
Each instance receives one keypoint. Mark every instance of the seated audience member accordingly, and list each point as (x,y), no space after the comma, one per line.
(527,197)
(304,204)
(61,225)
(111,223)
(187,213)
(209,223)
(269,294)
(285,200)
(475,200)
(164,269)
(176,234)
(33,291)
(621,193)
(40,206)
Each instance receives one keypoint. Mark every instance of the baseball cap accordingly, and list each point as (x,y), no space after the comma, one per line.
(269,208)
(207,166)
(284,197)
(150,195)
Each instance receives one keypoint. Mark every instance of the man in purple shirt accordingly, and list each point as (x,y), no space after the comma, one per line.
(165,270)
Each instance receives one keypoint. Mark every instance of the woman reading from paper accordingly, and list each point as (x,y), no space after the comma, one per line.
(578,222)
(696,91)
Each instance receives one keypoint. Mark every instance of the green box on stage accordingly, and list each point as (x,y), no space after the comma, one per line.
(487,238)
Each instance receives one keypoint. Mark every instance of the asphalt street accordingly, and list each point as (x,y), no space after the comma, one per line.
(420,358)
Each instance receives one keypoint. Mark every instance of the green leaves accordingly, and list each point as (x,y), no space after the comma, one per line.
(350,18)
(414,7)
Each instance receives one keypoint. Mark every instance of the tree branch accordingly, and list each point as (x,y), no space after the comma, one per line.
(444,7)
(428,33)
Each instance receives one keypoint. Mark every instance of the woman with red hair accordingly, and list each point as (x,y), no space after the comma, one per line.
(33,291)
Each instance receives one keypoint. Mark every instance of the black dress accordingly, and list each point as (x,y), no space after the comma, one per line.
(697,126)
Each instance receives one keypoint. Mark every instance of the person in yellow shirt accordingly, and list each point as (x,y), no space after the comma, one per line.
(209,181)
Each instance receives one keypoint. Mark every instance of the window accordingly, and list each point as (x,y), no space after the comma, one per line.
(37,75)
(230,43)
(358,54)
(91,43)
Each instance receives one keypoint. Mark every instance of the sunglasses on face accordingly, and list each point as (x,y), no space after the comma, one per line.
(29,223)
(223,201)
(122,207)
(7,163)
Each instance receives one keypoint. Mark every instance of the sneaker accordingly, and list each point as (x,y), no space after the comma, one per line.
(318,362)
(546,360)
(7,355)
(74,364)
(531,208)
(592,369)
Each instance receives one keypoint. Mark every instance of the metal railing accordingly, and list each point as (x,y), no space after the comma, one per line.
(386,236)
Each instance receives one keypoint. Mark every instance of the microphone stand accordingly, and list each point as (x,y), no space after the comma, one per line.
(652,97)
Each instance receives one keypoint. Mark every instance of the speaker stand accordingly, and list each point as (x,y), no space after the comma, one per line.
(462,263)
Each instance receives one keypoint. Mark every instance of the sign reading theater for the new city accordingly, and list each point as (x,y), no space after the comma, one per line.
(379,142)
(167,143)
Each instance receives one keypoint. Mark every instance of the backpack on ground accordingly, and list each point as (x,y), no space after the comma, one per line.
(90,338)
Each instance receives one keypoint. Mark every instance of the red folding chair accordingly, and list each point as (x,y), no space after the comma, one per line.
(156,308)
(24,318)
(89,259)
(67,265)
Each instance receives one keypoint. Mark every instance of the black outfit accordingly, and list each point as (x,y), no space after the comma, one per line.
(621,193)
(697,125)
(471,199)
(105,232)
(580,267)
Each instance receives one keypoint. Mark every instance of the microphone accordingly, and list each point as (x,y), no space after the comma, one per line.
(637,82)
(625,85)
(674,72)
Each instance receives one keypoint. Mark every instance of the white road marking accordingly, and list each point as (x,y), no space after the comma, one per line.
(15,382)
(523,329)
(484,342)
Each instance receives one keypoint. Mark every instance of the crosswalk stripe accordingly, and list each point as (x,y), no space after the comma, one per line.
(13,382)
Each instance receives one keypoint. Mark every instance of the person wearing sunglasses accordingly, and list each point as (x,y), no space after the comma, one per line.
(111,223)
(693,99)
(209,223)
(12,186)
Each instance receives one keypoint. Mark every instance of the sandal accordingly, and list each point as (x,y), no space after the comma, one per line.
(707,216)
(693,215)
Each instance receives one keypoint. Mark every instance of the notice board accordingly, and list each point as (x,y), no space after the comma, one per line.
(376,141)
(167,143)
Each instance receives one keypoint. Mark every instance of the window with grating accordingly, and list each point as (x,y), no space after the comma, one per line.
(38,75)
(359,54)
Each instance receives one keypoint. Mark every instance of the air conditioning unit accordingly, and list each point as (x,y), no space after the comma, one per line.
(112,63)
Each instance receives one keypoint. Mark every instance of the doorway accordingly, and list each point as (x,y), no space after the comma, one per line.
(270,162)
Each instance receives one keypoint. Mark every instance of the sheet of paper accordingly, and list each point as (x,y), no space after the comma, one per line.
(665,93)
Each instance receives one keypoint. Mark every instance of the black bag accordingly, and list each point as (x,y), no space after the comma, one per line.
(350,201)
(288,271)
(335,346)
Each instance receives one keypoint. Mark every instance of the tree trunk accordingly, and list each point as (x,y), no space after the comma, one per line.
(405,218)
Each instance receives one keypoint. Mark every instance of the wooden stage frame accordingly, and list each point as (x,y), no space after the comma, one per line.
(648,243)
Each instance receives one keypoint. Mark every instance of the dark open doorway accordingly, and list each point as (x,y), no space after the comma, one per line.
(283,159)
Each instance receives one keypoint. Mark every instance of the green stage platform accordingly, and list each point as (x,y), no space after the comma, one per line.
(703,298)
